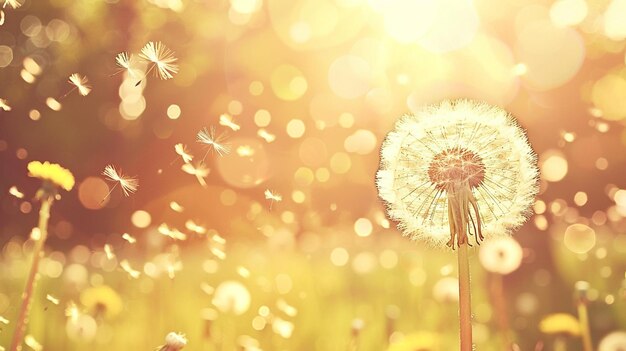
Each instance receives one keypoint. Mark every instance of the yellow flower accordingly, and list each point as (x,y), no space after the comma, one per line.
(102,300)
(560,323)
(420,341)
(53,173)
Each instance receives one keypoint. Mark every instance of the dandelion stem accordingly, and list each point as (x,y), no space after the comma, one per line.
(20,325)
(583,318)
(497,291)
(465,303)
(559,344)
(68,93)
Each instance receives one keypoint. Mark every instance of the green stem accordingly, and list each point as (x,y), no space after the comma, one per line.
(465,303)
(38,250)
(583,318)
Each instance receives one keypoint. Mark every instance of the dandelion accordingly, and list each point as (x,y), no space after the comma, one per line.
(227,121)
(214,142)
(129,184)
(614,341)
(181,150)
(231,296)
(245,151)
(454,169)
(501,255)
(53,104)
(131,239)
(200,171)
(175,206)
(83,328)
(53,176)
(102,301)
(173,342)
(4,105)
(161,58)
(560,325)
(265,135)
(173,233)
(52,299)
(128,269)
(272,196)
(108,251)
(15,192)
(126,63)
(14,4)
(72,311)
(31,342)
(79,82)
(194,227)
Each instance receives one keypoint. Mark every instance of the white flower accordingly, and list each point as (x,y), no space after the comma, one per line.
(174,342)
(463,160)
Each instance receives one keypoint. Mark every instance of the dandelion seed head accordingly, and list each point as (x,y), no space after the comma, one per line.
(501,255)
(614,341)
(162,57)
(127,62)
(452,143)
(81,83)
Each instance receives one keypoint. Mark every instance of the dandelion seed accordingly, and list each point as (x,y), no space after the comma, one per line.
(108,250)
(208,137)
(200,172)
(128,269)
(206,288)
(173,342)
(172,268)
(129,238)
(269,195)
(4,320)
(126,63)
(129,184)
(173,233)
(31,342)
(2,18)
(243,271)
(4,105)
(12,3)
(282,327)
(79,82)
(192,226)
(218,239)
(217,252)
(15,192)
(181,150)
(286,308)
(71,311)
(175,206)
(265,135)
(162,58)
(52,299)
(227,121)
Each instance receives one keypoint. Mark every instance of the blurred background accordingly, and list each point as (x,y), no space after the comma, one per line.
(307,89)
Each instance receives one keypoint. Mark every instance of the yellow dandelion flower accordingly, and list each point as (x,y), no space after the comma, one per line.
(560,323)
(102,301)
(457,167)
(53,173)
(419,341)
